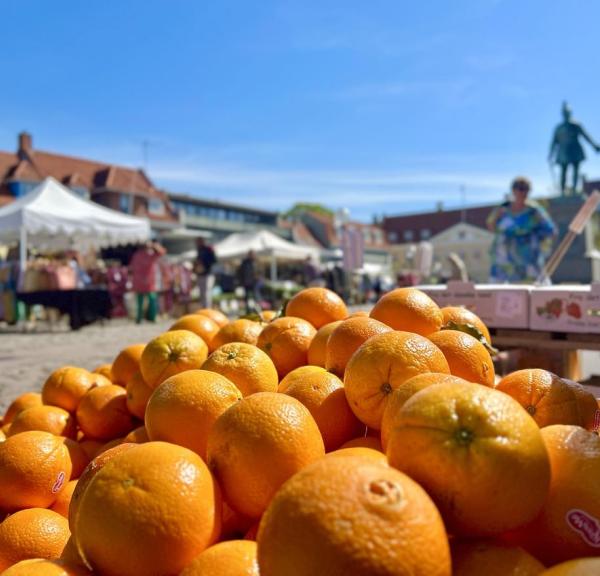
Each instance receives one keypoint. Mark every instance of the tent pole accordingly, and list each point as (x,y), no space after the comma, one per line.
(23,249)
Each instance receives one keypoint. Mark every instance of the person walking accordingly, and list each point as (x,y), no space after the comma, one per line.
(144,267)
(205,261)
(523,237)
(248,277)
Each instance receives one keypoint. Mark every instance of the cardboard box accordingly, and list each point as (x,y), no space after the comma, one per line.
(498,305)
(503,305)
(573,308)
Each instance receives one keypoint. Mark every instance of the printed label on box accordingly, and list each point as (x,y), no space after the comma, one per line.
(509,305)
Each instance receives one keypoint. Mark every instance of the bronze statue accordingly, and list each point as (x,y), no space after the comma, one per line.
(566,150)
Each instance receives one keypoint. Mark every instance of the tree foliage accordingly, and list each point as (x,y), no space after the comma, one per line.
(301,207)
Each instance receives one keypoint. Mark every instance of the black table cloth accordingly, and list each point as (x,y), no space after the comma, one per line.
(83,306)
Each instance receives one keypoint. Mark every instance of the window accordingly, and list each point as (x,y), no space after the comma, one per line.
(81,191)
(156,206)
(408,235)
(393,236)
(126,203)
(425,234)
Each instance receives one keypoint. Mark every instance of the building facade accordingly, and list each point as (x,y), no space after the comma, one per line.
(465,233)
(121,188)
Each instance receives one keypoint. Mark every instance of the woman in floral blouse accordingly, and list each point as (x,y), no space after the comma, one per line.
(524,233)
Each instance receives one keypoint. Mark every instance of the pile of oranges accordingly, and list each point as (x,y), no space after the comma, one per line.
(315,443)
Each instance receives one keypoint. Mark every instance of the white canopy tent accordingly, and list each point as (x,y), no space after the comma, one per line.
(266,244)
(52,217)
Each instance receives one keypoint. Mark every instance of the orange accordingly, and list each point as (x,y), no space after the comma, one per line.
(138,394)
(3,435)
(233,558)
(34,466)
(268,315)
(247,366)
(586,404)
(252,532)
(359,314)
(316,305)
(32,533)
(579,567)
(409,388)
(461,443)
(71,556)
(482,558)
(548,398)
(78,456)
(214,315)
(359,451)
(137,436)
(126,364)
(384,363)
(99,380)
(184,408)
(569,523)
(256,445)
(286,341)
(348,337)
(171,353)
(90,447)
(352,516)
(460,315)
(105,370)
(199,324)
(66,386)
(323,394)
(91,470)
(19,404)
(241,330)
(103,414)
(363,442)
(318,345)
(408,309)
(467,357)
(47,418)
(40,567)
(111,444)
(234,525)
(61,504)
(150,510)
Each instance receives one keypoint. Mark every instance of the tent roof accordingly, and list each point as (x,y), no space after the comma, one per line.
(263,243)
(56,218)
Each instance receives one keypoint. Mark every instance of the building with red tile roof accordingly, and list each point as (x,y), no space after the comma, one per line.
(118,187)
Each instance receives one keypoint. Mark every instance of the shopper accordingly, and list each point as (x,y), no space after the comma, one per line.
(523,236)
(205,262)
(145,270)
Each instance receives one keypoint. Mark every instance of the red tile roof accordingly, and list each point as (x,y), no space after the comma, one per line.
(35,165)
(7,162)
(434,222)
(299,233)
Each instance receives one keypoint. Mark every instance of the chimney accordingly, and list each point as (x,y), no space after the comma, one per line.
(25,143)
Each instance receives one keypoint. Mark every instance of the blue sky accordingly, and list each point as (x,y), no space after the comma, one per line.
(383,107)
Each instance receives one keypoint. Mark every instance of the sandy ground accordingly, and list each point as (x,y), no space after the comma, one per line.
(26,359)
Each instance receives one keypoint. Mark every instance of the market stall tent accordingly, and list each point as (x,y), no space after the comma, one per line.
(266,244)
(51,217)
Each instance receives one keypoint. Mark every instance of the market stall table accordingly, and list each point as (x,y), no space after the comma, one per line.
(83,306)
